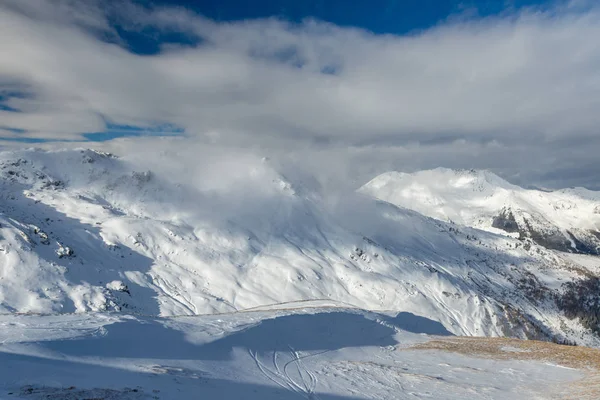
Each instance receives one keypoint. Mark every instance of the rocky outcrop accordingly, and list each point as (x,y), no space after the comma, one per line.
(506,221)
(546,234)
(581,299)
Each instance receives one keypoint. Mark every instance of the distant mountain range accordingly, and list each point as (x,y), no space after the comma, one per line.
(82,231)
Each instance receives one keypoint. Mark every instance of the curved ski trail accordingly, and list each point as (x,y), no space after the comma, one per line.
(300,380)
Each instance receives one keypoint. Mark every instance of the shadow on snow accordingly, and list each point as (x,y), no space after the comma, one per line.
(168,360)
(326,331)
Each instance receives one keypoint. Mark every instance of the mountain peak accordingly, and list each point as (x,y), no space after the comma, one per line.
(565,220)
(441,179)
(474,177)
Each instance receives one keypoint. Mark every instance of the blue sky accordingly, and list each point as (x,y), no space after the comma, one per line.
(397,17)
(379,16)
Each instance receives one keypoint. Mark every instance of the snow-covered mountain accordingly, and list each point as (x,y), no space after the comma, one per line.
(567,220)
(82,230)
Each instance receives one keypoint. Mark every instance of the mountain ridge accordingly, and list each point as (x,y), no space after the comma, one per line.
(85,231)
(567,219)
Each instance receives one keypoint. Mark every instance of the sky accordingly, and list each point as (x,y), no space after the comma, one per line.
(349,89)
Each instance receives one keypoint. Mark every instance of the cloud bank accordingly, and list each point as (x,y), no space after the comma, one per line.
(519,93)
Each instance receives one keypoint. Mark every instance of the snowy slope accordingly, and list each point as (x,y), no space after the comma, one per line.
(309,353)
(87,231)
(566,220)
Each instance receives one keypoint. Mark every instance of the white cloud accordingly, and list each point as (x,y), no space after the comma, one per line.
(527,81)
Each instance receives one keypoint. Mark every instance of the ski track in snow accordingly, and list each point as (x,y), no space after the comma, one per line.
(199,357)
(305,382)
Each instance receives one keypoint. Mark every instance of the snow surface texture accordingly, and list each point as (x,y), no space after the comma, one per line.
(567,220)
(87,231)
(310,353)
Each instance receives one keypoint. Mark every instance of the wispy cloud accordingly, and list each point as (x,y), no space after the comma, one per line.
(530,77)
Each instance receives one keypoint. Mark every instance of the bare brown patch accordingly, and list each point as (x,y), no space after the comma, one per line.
(582,358)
